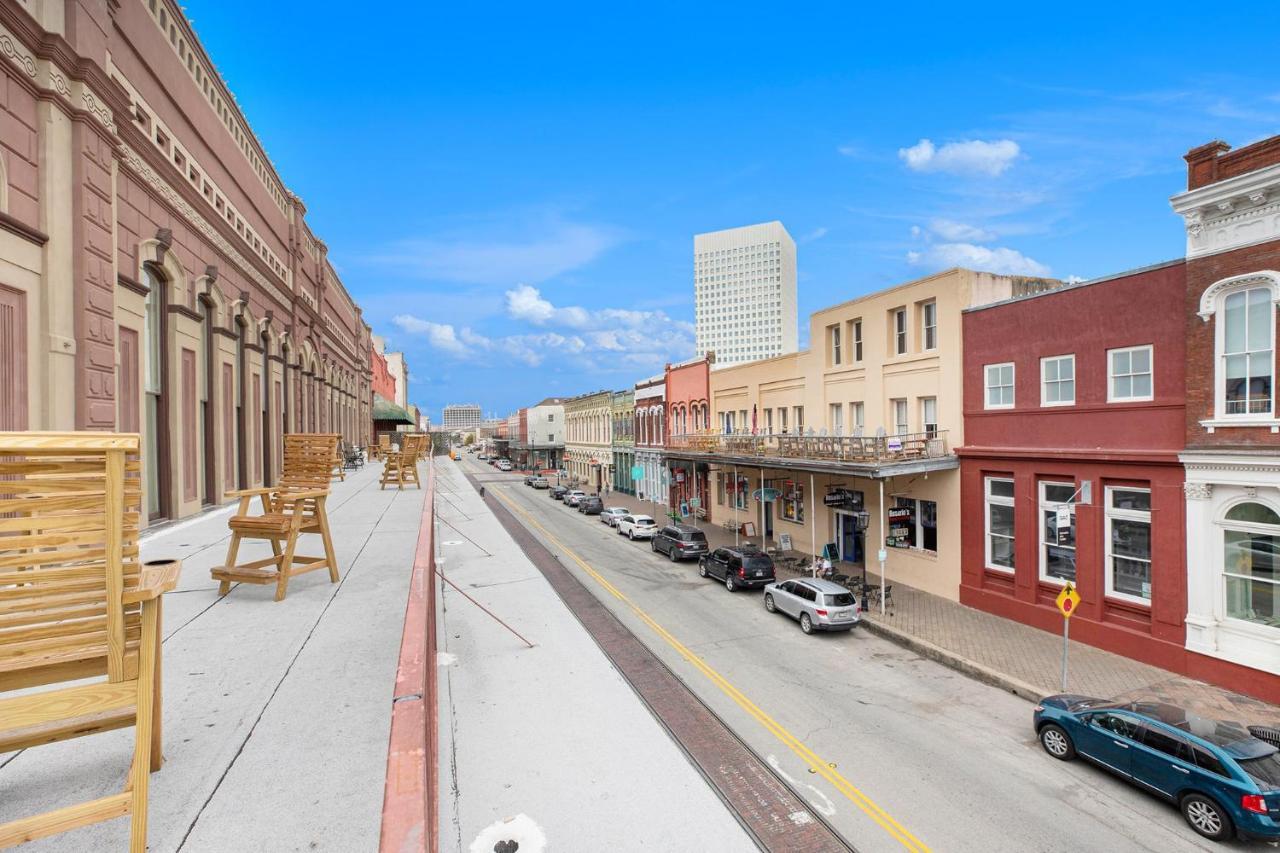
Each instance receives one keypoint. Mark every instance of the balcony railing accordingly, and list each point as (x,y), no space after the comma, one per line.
(877,449)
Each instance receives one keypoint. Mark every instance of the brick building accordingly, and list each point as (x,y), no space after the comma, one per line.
(156,274)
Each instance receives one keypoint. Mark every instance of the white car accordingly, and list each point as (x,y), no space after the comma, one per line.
(572,498)
(610,515)
(636,526)
(504,465)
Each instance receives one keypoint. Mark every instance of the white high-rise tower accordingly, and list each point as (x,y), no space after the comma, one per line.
(744,284)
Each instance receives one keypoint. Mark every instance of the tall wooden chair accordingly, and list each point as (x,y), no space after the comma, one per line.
(337,468)
(294,507)
(401,465)
(75,604)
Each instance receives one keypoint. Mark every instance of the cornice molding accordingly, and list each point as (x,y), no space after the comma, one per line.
(1231,213)
(22,229)
(131,284)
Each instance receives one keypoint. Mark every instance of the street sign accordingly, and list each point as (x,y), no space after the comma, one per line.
(1068,600)
(637,472)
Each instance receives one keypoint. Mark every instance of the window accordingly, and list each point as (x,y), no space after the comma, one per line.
(768,421)
(782,418)
(900,425)
(1130,374)
(1128,543)
(999,386)
(834,333)
(1058,380)
(551,437)
(929,324)
(857,340)
(1164,742)
(837,418)
(929,415)
(857,416)
(899,331)
(913,524)
(1251,564)
(1248,329)
(551,417)
(799,420)
(1000,529)
(1057,542)
(792,502)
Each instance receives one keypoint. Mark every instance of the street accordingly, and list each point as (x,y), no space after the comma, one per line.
(915,755)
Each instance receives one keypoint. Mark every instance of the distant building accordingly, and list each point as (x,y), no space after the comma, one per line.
(397,369)
(461,417)
(649,428)
(623,406)
(588,448)
(744,285)
(384,384)
(544,423)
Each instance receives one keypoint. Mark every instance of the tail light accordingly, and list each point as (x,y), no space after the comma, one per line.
(742,571)
(1253,803)
(821,612)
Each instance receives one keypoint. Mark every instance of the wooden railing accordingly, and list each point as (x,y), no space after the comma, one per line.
(839,448)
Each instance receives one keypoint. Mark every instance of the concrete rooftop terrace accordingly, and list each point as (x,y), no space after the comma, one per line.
(276,715)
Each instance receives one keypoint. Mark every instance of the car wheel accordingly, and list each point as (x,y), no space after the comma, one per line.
(806,624)
(671,555)
(1206,817)
(768,603)
(1057,742)
(729,584)
(702,569)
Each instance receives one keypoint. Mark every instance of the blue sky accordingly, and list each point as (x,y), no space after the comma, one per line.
(511,192)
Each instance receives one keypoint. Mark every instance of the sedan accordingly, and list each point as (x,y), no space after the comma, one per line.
(611,515)
(1225,781)
(572,498)
(540,483)
(558,492)
(738,567)
(636,527)
(820,605)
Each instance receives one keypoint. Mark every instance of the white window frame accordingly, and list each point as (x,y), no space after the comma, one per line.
(1111,374)
(835,344)
(1111,513)
(927,329)
(1042,506)
(1220,355)
(987,386)
(899,406)
(999,500)
(900,342)
(1044,362)
(857,415)
(925,423)
(836,413)
(857,340)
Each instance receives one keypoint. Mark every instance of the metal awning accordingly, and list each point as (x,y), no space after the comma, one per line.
(871,470)
(385,410)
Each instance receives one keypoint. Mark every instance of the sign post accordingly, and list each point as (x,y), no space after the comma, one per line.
(1068,600)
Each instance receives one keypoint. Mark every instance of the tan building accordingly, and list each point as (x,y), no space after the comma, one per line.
(588,442)
(859,430)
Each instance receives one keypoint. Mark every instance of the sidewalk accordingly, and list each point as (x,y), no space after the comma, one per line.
(276,715)
(550,737)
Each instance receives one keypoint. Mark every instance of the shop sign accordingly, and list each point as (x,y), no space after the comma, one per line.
(894,444)
(679,476)
(843,498)
(766,495)
(901,521)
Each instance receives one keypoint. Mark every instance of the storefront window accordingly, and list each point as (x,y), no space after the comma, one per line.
(913,524)
(1057,543)
(1251,556)
(1129,543)
(1000,514)
(792,501)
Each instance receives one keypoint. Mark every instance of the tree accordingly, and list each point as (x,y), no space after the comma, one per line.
(469,440)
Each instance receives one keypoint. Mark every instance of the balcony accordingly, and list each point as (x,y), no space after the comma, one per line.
(871,456)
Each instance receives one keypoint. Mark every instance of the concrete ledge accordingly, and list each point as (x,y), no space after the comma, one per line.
(961,664)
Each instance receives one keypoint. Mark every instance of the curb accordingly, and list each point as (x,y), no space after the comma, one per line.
(961,664)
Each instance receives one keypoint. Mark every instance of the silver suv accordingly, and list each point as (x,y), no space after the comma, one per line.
(819,605)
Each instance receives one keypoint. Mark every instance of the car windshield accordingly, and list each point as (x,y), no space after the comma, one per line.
(838,599)
(757,561)
(646,522)
(1265,770)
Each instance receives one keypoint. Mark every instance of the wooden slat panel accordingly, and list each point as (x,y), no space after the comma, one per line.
(67,703)
(63,820)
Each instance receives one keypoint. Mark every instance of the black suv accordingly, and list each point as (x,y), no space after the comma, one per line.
(678,541)
(557,493)
(591,505)
(737,567)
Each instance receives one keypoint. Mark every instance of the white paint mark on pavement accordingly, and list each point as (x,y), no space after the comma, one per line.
(521,829)
(445,659)
(826,807)
(800,818)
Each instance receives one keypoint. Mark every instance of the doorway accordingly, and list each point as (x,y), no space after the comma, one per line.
(849,538)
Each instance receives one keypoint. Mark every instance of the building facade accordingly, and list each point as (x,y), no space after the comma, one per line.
(462,417)
(156,274)
(399,370)
(687,387)
(545,428)
(623,406)
(649,430)
(1074,414)
(588,443)
(384,384)
(744,285)
(1231,209)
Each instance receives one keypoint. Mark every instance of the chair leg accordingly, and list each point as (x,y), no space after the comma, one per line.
(140,772)
(330,557)
(286,562)
(157,705)
(233,551)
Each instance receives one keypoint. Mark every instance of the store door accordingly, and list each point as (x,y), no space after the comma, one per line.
(768,520)
(849,539)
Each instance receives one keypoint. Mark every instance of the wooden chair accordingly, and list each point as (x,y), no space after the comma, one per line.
(401,465)
(294,507)
(75,604)
(337,468)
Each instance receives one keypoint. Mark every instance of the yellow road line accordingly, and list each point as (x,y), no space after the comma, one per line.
(822,768)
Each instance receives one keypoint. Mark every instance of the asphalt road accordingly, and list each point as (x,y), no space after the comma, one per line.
(918,756)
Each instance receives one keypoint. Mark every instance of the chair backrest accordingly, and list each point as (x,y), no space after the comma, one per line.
(308,460)
(70,509)
(384,441)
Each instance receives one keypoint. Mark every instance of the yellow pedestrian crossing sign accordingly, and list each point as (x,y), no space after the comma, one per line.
(1068,600)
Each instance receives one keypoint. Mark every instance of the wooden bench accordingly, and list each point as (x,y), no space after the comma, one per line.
(402,465)
(294,507)
(77,604)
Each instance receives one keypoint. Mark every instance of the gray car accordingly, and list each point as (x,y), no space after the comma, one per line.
(819,605)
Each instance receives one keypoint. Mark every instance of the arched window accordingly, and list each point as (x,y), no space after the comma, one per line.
(1243,310)
(1251,563)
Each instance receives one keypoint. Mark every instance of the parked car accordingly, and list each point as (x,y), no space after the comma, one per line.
(558,493)
(611,515)
(819,605)
(1225,781)
(528,479)
(482,457)
(571,498)
(539,483)
(591,505)
(678,541)
(738,567)
(637,527)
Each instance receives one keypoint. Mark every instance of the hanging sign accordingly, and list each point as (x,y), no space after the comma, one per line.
(766,495)
(637,472)
(843,498)
(894,444)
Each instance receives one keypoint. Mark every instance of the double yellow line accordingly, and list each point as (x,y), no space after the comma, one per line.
(820,767)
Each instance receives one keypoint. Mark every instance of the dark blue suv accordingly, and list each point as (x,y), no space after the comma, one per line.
(1225,780)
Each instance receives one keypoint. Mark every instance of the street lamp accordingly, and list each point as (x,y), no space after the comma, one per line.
(861,521)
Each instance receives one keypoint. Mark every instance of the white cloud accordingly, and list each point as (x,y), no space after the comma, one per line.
(990,259)
(816,234)
(971,157)
(849,150)
(525,302)
(442,336)
(960,232)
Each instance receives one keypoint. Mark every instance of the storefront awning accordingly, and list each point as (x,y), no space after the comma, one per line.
(385,410)
(871,470)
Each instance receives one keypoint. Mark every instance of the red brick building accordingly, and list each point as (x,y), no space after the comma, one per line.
(384,384)
(1232,213)
(687,388)
(1074,400)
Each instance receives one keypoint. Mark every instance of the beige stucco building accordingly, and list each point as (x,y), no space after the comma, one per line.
(859,429)
(588,443)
